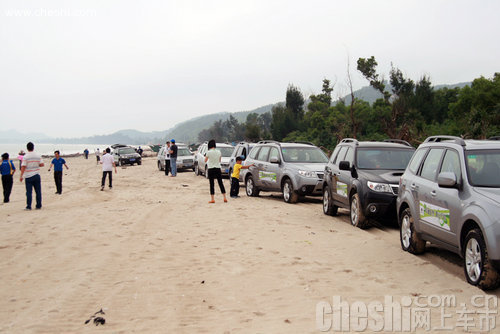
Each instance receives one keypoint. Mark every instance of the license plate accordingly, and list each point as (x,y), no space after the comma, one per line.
(132,159)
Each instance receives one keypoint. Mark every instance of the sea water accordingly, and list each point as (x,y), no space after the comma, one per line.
(48,149)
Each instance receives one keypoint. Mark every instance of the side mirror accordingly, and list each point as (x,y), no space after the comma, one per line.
(447,180)
(344,165)
(274,160)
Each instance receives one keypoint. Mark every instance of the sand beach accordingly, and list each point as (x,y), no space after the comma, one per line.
(157,258)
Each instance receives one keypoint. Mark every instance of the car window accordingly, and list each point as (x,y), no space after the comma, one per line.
(183,152)
(239,152)
(225,151)
(483,168)
(264,151)
(349,156)
(416,160)
(244,153)
(431,163)
(274,153)
(334,154)
(309,154)
(451,163)
(341,155)
(253,153)
(127,150)
(383,158)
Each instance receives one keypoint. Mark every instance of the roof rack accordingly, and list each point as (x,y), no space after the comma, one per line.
(349,140)
(397,141)
(301,142)
(494,138)
(269,142)
(437,139)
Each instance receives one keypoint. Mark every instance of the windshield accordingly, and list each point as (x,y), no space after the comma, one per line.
(183,152)
(383,158)
(483,168)
(226,151)
(126,150)
(303,154)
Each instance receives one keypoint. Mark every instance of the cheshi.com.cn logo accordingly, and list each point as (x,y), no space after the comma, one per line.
(407,314)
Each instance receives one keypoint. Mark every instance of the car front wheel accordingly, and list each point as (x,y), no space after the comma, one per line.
(410,241)
(289,195)
(196,170)
(477,265)
(328,207)
(358,218)
(250,187)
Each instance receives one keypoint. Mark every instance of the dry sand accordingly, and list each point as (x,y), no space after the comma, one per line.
(159,259)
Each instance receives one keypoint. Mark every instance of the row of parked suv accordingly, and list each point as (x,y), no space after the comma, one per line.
(446,192)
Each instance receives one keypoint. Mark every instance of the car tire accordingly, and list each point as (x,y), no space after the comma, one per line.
(357,216)
(196,170)
(328,207)
(478,268)
(410,240)
(289,194)
(139,163)
(119,163)
(250,187)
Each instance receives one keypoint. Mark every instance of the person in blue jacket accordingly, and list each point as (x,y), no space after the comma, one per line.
(7,169)
(58,163)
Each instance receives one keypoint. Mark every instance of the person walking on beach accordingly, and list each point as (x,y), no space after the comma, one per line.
(98,155)
(30,169)
(86,153)
(7,170)
(58,163)
(167,158)
(173,158)
(235,177)
(213,158)
(108,163)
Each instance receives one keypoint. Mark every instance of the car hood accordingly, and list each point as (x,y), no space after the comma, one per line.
(491,193)
(314,167)
(380,175)
(225,160)
(185,157)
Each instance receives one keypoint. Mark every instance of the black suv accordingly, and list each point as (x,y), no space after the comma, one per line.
(364,177)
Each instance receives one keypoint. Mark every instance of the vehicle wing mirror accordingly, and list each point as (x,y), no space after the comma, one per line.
(274,160)
(344,165)
(447,180)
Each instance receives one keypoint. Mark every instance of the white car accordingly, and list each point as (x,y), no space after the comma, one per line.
(200,167)
(185,158)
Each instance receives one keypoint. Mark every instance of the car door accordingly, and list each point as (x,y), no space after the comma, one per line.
(264,178)
(433,216)
(273,169)
(328,177)
(341,179)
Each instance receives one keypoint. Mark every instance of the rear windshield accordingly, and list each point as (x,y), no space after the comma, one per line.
(304,154)
(383,158)
(183,151)
(483,168)
(126,150)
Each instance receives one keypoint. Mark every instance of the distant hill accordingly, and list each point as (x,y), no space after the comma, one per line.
(186,131)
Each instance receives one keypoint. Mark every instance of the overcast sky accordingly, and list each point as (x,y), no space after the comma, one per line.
(80,68)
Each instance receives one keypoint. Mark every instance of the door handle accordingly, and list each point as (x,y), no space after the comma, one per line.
(413,186)
(433,193)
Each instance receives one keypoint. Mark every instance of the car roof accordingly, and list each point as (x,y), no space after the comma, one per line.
(381,144)
(467,144)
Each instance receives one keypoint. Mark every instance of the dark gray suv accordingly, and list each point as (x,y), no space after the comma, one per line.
(450,196)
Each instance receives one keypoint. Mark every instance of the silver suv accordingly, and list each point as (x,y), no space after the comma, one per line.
(185,158)
(293,168)
(450,196)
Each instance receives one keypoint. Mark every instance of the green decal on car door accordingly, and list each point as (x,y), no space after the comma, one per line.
(342,189)
(435,215)
(267,176)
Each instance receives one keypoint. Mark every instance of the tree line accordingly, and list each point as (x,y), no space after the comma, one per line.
(409,110)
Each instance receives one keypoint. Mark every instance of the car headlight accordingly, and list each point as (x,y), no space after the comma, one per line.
(307,173)
(379,187)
